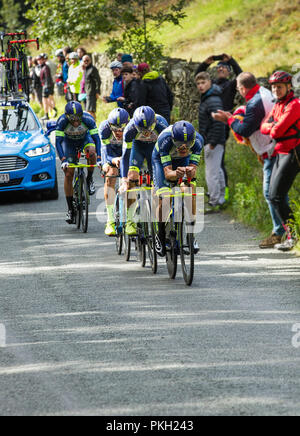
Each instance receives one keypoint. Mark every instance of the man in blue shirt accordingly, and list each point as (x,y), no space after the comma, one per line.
(117,90)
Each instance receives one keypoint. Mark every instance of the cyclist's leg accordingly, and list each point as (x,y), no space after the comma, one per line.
(162,205)
(89,149)
(109,197)
(135,164)
(71,154)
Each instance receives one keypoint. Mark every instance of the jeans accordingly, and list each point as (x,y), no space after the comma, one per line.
(285,170)
(268,167)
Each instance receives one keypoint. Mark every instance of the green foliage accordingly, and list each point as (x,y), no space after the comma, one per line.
(139,21)
(69,21)
(9,15)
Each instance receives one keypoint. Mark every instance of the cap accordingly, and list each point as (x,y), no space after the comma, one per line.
(126,58)
(143,66)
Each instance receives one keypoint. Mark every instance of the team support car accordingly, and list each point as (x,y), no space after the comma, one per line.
(27,157)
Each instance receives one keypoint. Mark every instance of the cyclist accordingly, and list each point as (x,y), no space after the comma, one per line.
(76,131)
(283,126)
(111,136)
(176,153)
(140,136)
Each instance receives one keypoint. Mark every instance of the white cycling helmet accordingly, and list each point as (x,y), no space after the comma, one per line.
(59,52)
(116,64)
(73,55)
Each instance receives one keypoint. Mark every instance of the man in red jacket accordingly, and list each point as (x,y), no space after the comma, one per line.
(283,125)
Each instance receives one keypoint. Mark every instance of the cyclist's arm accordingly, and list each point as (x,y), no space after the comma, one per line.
(59,137)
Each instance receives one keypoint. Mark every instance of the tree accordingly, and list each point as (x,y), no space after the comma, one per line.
(139,20)
(68,21)
(9,15)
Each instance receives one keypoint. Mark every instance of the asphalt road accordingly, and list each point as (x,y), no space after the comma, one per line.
(82,332)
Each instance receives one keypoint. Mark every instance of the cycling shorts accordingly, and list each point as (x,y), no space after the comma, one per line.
(158,170)
(72,148)
(139,152)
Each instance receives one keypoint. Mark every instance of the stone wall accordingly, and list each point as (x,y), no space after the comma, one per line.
(179,74)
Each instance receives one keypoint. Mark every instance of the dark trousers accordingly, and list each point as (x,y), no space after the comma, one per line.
(285,170)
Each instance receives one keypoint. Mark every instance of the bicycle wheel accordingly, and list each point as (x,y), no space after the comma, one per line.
(118,225)
(84,204)
(186,243)
(127,245)
(141,246)
(150,238)
(171,251)
(77,195)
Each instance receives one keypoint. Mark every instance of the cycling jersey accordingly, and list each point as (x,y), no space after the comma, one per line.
(165,154)
(110,146)
(76,137)
(137,147)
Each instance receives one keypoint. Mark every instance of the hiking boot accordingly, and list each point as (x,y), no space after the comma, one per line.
(271,241)
(287,245)
(130,228)
(91,186)
(70,218)
(110,229)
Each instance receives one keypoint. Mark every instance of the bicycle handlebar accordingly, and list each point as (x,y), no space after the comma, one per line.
(82,166)
(8,59)
(26,41)
(15,33)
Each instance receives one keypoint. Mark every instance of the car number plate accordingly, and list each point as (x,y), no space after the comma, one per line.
(4,178)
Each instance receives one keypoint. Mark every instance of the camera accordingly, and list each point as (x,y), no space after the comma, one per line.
(218,58)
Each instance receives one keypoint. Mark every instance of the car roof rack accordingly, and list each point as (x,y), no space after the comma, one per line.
(17,97)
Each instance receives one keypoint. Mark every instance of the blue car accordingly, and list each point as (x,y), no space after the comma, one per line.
(27,157)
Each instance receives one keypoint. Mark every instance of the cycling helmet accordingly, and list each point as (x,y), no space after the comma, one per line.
(118,118)
(115,64)
(280,77)
(183,132)
(73,55)
(73,111)
(144,119)
(59,52)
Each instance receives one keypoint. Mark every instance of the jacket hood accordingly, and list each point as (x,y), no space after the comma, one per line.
(152,75)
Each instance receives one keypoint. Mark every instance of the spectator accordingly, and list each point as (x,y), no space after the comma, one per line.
(119,57)
(30,63)
(158,94)
(213,133)
(283,125)
(81,52)
(74,75)
(134,95)
(47,87)
(37,86)
(127,60)
(92,85)
(259,103)
(59,72)
(117,90)
(225,67)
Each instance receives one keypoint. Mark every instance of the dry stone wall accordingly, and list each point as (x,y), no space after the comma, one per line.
(179,74)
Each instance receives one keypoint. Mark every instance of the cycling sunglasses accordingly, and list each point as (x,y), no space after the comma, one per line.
(188,144)
(115,128)
(146,130)
(74,117)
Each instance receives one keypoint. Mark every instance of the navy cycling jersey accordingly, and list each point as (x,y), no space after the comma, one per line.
(75,136)
(132,135)
(166,151)
(110,146)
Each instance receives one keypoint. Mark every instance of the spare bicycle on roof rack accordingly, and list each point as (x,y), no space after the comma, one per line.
(14,73)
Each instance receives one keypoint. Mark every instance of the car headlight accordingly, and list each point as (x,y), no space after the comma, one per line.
(39,151)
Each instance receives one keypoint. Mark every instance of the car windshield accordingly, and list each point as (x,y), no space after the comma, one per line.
(16,119)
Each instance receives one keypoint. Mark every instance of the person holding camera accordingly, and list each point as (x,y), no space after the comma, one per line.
(226,65)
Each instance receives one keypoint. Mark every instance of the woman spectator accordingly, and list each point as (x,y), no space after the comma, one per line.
(74,75)
(283,125)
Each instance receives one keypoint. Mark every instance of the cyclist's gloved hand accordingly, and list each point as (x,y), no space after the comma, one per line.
(64,164)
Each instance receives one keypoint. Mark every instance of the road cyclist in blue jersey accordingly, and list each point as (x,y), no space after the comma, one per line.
(140,136)
(176,154)
(76,132)
(111,136)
